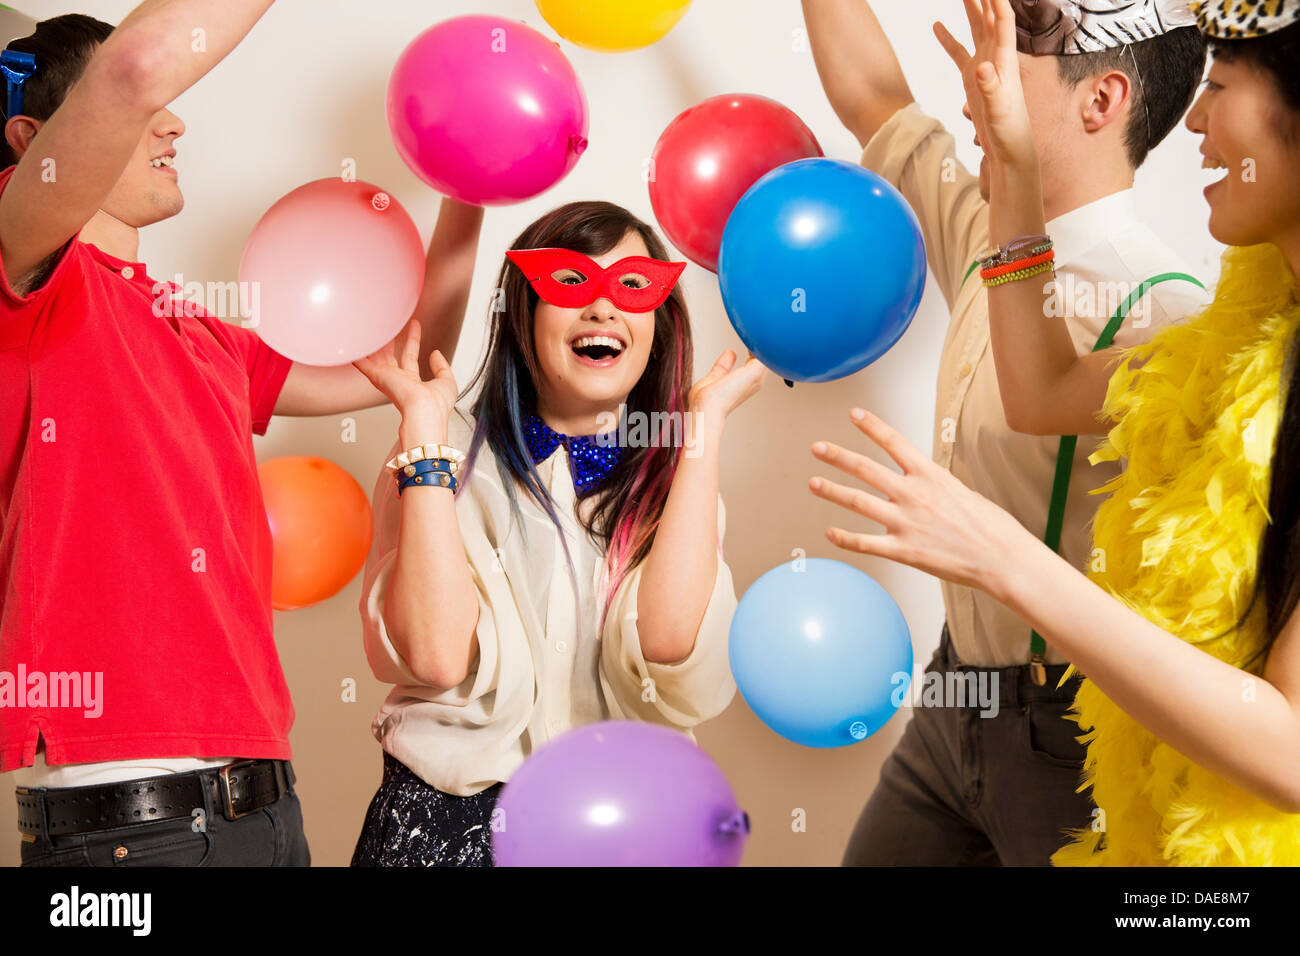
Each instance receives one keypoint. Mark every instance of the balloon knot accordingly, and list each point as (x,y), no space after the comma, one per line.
(381,201)
(578,144)
(735,823)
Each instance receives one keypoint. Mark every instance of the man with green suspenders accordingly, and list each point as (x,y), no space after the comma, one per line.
(1104,86)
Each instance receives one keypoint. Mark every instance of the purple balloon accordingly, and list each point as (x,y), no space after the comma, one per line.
(619,793)
(487,110)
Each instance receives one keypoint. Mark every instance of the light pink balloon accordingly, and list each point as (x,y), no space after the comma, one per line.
(487,110)
(338,268)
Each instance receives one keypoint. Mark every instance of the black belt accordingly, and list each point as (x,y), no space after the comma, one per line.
(240,788)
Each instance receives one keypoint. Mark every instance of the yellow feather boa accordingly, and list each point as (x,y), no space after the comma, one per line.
(1179,543)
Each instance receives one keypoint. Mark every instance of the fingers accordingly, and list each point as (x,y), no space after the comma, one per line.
(908,457)
(1004,24)
(975,14)
(438,363)
(855,499)
(952,46)
(878,545)
(411,350)
(861,467)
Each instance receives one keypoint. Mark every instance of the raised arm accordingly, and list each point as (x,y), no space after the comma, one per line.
(431,606)
(71,162)
(856,63)
(1046,387)
(440,314)
(681,566)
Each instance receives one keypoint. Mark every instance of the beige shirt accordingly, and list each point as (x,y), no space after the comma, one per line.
(543,665)
(1103,252)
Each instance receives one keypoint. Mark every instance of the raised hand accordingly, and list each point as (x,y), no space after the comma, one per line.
(726,387)
(994,93)
(398,377)
(932,521)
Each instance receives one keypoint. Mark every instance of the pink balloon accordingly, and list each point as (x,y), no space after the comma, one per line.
(338,268)
(487,110)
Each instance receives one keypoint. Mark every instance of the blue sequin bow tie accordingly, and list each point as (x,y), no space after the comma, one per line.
(589,461)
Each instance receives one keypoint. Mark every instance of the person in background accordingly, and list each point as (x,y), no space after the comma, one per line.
(1105,86)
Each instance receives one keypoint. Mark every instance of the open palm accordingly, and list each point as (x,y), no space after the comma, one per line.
(397,375)
(991,76)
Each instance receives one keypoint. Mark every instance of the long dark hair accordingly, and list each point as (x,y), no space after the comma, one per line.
(62,47)
(1278,577)
(625,510)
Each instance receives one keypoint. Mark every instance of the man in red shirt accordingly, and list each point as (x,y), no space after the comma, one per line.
(142,702)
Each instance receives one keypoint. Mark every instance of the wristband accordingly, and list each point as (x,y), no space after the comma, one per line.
(435,472)
(1017,249)
(422,452)
(1018,265)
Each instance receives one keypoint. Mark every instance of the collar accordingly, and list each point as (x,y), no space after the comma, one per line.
(590,462)
(137,270)
(1075,232)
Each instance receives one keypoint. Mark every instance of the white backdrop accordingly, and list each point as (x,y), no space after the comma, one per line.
(306,91)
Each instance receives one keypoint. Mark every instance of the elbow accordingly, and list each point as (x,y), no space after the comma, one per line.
(1024,421)
(1286,797)
(441,664)
(438,678)
(135,65)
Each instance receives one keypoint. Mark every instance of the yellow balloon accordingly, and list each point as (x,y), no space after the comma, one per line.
(612,26)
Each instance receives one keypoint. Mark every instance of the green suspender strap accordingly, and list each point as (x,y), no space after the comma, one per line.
(1065,457)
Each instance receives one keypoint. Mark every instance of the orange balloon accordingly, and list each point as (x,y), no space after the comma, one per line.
(320,525)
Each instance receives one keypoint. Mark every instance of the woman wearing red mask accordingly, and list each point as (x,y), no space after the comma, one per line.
(554,557)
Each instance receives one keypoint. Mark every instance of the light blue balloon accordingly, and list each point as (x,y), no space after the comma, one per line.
(820,652)
(822,267)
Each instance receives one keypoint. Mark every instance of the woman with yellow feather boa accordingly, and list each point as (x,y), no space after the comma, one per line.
(1186,625)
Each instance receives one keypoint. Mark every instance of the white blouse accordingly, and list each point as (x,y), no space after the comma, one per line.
(543,665)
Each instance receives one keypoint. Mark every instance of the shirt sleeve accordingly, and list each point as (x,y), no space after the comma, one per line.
(914,153)
(266,368)
(683,693)
(18,312)
(475,722)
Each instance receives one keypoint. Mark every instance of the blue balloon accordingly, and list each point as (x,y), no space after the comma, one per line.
(822,655)
(822,267)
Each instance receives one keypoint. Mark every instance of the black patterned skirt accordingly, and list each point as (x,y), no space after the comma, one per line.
(410,823)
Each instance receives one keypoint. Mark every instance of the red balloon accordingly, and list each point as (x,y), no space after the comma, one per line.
(709,156)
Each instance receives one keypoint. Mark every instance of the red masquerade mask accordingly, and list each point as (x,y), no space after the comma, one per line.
(571,280)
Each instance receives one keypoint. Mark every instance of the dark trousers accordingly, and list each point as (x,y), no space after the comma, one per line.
(270,836)
(410,823)
(962,789)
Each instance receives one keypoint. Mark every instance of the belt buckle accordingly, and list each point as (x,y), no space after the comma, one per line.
(224,776)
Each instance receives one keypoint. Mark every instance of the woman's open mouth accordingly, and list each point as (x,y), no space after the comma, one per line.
(597,351)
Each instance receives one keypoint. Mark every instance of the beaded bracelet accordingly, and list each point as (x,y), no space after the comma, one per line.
(1016,276)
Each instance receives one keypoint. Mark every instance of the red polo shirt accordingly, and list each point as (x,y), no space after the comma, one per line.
(134,542)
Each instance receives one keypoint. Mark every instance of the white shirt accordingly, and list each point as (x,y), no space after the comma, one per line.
(1100,247)
(543,665)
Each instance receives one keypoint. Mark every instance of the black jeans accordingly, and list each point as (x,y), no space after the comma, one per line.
(962,789)
(270,836)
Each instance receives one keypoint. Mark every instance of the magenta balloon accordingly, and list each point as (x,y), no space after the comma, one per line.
(338,268)
(487,110)
(619,793)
